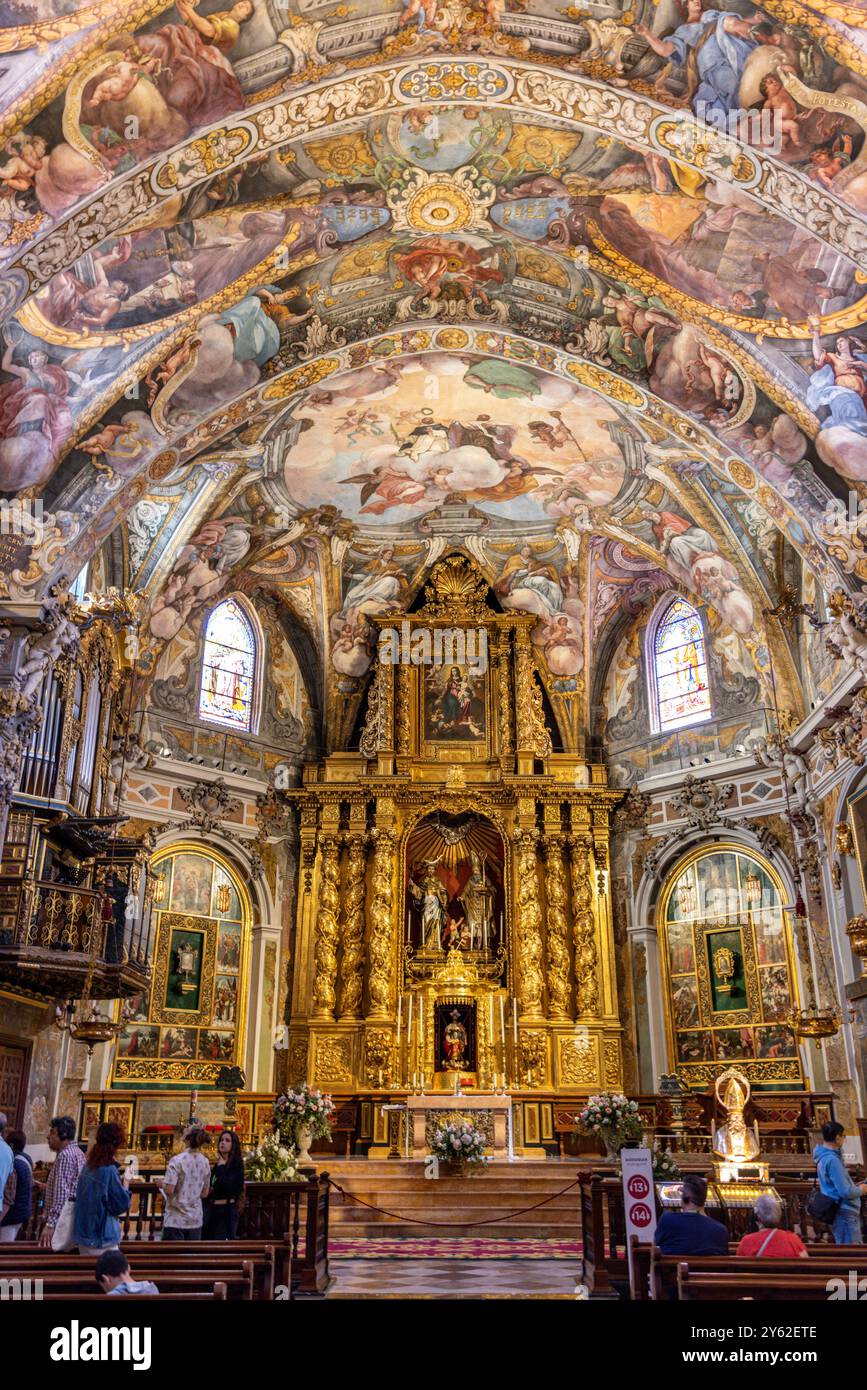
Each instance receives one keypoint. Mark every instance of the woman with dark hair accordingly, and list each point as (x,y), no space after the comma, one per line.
(101,1196)
(17,1200)
(227,1189)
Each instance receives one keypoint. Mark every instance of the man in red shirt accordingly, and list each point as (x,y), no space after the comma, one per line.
(769,1241)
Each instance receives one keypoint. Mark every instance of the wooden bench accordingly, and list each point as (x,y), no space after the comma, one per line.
(217,1292)
(74,1284)
(805,1284)
(271,1262)
(654,1275)
(238,1275)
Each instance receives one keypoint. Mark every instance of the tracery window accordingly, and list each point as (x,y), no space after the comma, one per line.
(680,694)
(227,690)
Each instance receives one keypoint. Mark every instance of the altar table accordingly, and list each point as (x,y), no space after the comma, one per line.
(488,1112)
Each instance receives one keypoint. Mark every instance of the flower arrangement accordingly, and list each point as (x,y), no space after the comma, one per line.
(293,1110)
(665,1168)
(612,1117)
(458,1142)
(272,1161)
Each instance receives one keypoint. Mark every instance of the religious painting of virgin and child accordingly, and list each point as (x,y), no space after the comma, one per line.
(454,706)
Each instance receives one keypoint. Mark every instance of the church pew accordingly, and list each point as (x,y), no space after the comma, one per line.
(654,1275)
(186,1295)
(237,1287)
(240,1274)
(806,1283)
(272,1261)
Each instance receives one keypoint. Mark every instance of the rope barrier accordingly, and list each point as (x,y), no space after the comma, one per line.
(492,1221)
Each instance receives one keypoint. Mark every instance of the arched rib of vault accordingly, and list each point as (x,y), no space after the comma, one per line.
(339,102)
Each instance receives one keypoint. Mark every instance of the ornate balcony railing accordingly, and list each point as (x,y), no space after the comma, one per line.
(55,928)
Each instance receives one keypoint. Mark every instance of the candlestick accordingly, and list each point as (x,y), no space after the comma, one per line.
(399,1012)
(515,1023)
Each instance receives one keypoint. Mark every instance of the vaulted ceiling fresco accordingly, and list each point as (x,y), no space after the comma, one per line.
(296,297)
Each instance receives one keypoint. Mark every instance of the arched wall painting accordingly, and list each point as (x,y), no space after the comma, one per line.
(191,1023)
(728,969)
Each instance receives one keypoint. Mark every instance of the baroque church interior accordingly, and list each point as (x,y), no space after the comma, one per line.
(433,436)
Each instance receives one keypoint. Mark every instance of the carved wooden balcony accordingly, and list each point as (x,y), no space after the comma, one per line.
(52,937)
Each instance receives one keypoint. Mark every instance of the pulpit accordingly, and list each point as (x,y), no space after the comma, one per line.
(490,1113)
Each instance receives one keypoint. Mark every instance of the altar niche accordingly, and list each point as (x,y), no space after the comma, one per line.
(455,1034)
(455,892)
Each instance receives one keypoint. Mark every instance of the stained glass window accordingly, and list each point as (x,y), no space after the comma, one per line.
(680,668)
(228,667)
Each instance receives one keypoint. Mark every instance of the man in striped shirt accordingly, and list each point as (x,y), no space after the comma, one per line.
(63,1178)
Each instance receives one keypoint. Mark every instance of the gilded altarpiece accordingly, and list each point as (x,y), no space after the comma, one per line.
(453,918)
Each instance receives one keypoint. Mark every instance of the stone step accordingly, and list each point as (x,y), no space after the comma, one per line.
(516,1230)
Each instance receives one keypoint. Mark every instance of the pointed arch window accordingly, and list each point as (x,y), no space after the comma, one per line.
(681,693)
(227,692)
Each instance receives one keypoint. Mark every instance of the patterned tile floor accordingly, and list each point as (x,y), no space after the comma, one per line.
(389,1271)
(451,1248)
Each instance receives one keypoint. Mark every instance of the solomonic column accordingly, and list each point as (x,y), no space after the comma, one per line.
(326,933)
(528,933)
(352,972)
(558,930)
(584,928)
(380,952)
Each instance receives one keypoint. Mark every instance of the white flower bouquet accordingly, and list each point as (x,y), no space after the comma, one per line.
(272,1161)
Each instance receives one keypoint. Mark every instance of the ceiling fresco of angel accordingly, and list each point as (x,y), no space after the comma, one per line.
(294,297)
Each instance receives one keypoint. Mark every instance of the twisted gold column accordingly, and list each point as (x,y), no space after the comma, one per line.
(584,929)
(558,930)
(326,935)
(528,925)
(379,950)
(352,974)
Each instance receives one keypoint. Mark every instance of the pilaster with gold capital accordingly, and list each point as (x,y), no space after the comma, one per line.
(306,910)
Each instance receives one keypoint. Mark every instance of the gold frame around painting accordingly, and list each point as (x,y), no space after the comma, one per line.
(169,923)
(156,1071)
(784,1072)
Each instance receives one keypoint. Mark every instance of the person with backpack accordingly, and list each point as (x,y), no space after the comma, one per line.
(838,1201)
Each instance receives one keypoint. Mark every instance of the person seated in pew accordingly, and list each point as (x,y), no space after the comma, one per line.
(113,1274)
(770,1240)
(690,1231)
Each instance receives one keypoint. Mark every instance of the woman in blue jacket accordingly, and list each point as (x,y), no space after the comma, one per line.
(101,1197)
(835,1182)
